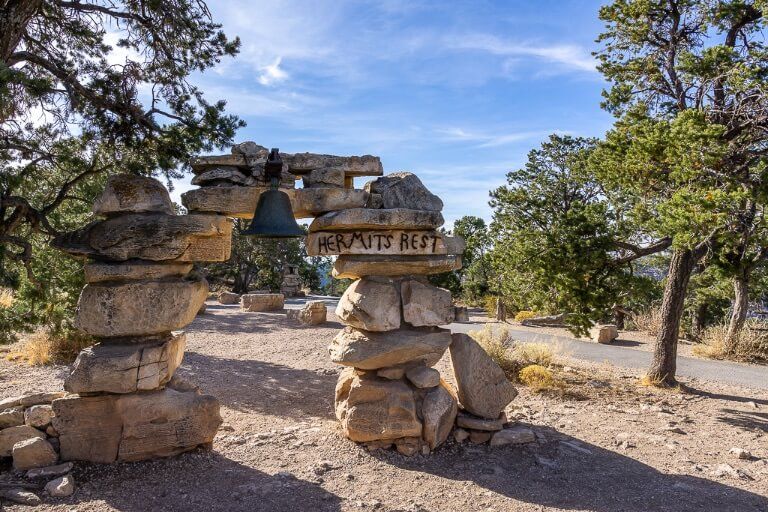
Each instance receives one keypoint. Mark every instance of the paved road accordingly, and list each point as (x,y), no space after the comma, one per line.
(722,371)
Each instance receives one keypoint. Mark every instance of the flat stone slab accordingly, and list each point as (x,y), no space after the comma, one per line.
(391,242)
(126,368)
(297,164)
(139,308)
(133,427)
(373,350)
(262,302)
(136,270)
(372,218)
(357,266)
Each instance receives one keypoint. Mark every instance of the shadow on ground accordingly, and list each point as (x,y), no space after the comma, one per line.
(199,480)
(567,473)
(266,388)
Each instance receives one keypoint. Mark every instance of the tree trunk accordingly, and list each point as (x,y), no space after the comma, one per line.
(739,314)
(664,364)
(501,310)
(699,322)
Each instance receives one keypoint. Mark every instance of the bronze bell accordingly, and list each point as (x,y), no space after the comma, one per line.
(273,217)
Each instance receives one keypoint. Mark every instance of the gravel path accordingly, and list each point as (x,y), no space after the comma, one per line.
(280,448)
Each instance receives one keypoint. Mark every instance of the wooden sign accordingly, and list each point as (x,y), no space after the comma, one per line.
(395,242)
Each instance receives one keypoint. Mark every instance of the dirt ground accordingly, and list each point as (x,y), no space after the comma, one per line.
(280,448)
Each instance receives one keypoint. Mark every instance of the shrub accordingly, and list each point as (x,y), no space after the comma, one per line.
(45,347)
(648,320)
(537,378)
(751,343)
(524,315)
(6,298)
(540,354)
(512,356)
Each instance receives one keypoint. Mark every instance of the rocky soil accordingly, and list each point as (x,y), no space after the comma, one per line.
(605,444)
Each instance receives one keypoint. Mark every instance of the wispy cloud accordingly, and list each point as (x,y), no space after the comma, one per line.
(272,73)
(567,55)
(490,140)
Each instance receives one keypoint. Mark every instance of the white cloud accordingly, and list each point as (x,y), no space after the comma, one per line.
(489,140)
(272,73)
(567,55)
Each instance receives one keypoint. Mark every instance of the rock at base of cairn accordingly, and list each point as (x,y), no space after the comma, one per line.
(373,350)
(262,302)
(132,427)
(604,334)
(314,312)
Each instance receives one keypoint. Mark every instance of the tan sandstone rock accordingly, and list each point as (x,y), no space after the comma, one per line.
(11,417)
(33,453)
(139,308)
(423,377)
(369,218)
(373,350)
(126,368)
(155,237)
(379,242)
(225,173)
(40,398)
(135,194)
(357,266)
(301,163)
(229,298)
(326,177)
(439,411)
(12,435)
(372,409)
(311,202)
(262,302)
(425,304)
(134,427)
(370,304)
(136,270)
(404,190)
(483,388)
(38,416)
(314,312)
(604,334)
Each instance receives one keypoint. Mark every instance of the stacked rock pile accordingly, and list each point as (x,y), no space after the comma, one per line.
(124,401)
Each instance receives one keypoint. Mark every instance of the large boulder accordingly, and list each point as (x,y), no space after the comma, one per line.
(426,305)
(136,426)
(139,308)
(371,305)
(12,435)
(357,266)
(404,190)
(133,270)
(604,334)
(371,409)
(129,193)
(439,411)
(33,453)
(126,367)
(262,302)
(373,350)
(369,218)
(155,237)
(482,386)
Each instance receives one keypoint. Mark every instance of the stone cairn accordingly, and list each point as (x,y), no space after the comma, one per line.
(124,403)
(386,238)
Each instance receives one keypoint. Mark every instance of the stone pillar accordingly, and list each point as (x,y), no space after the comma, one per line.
(124,402)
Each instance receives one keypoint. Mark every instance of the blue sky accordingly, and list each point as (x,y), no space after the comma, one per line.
(456,92)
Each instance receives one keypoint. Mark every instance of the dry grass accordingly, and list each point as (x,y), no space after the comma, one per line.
(6,298)
(539,378)
(510,355)
(524,315)
(648,320)
(43,347)
(751,343)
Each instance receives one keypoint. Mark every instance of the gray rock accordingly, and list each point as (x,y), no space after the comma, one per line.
(426,305)
(12,435)
(229,174)
(250,149)
(513,435)
(139,308)
(404,190)
(423,377)
(371,305)
(475,423)
(438,411)
(128,193)
(20,496)
(372,350)
(33,453)
(327,177)
(50,471)
(368,218)
(482,386)
(740,453)
(12,417)
(126,368)
(460,435)
(38,416)
(61,487)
